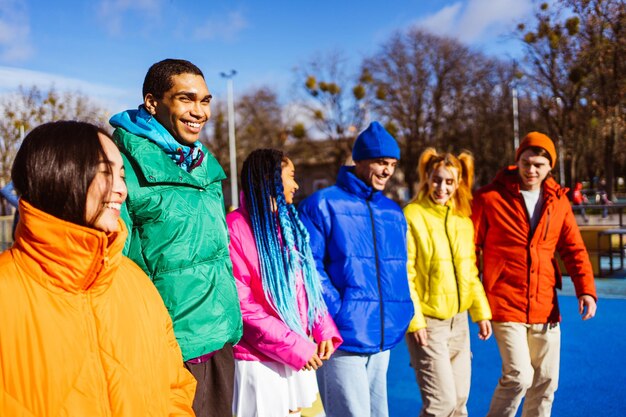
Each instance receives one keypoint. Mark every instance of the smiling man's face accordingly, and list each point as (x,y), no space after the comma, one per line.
(533,169)
(184,109)
(375,172)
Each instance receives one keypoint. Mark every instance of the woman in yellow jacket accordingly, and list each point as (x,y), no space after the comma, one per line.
(83,332)
(444,283)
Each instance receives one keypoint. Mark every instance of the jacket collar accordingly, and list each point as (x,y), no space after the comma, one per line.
(157,167)
(427,202)
(509,178)
(64,256)
(352,184)
(141,123)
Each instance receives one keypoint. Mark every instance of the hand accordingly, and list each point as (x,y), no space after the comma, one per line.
(325,349)
(313,363)
(421,337)
(587,306)
(484,329)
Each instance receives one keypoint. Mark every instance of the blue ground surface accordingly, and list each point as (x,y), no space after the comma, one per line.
(593,363)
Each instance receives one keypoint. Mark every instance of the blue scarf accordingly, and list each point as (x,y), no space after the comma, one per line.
(141,123)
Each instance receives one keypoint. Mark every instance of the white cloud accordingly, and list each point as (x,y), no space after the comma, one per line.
(444,21)
(15,42)
(220,28)
(477,20)
(482,17)
(112,12)
(111,98)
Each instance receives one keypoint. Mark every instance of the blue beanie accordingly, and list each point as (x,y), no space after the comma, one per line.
(375,142)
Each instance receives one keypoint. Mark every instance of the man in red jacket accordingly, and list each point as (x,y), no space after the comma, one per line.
(521,219)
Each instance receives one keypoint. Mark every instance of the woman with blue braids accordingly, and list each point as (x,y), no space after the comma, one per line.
(287,329)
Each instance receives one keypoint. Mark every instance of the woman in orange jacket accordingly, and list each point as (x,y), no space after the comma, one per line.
(83,332)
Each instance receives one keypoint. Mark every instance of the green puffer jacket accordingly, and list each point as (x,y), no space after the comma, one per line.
(178,236)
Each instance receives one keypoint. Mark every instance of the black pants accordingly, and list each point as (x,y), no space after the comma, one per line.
(216,379)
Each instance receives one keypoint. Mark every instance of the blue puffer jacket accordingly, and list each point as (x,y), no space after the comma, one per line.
(358,238)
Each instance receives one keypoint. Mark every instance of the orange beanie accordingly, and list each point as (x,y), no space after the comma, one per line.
(539,140)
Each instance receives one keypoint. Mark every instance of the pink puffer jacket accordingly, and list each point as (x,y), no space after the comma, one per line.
(265,336)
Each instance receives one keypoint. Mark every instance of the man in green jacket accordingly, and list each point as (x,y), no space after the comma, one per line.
(176,222)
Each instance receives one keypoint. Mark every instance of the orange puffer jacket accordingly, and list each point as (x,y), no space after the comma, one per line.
(83,332)
(520,273)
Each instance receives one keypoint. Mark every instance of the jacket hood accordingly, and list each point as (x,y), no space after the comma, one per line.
(348,181)
(68,257)
(141,123)
(509,179)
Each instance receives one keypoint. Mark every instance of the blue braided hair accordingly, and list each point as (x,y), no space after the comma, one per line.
(282,240)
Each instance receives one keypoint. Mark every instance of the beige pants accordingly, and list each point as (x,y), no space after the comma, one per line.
(443,368)
(530,366)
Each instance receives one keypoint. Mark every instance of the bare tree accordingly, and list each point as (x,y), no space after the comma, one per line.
(399,80)
(433,91)
(603,33)
(334,101)
(258,125)
(575,53)
(27,108)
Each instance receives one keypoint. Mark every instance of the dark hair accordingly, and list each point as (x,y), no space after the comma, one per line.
(258,174)
(281,239)
(539,151)
(159,77)
(55,166)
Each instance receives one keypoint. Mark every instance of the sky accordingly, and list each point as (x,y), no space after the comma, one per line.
(103,48)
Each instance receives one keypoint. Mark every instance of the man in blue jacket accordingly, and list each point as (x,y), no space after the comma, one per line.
(358,238)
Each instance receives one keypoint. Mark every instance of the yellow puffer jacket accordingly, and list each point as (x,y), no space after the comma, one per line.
(83,332)
(443,278)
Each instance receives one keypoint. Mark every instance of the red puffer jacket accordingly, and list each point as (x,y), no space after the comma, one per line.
(520,273)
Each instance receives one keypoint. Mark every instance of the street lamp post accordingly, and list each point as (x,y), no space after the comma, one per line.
(234,192)
(515,120)
(559,104)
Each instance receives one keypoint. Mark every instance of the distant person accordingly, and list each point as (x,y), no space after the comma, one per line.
(287,331)
(444,282)
(177,227)
(521,219)
(358,240)
(602,197)
(8,192)
(83,332)
(579,198)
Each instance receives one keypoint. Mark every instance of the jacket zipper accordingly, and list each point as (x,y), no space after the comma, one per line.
(380,289)
(528,257)
(95,350)
(544,209)
(456,278)
(91,325)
